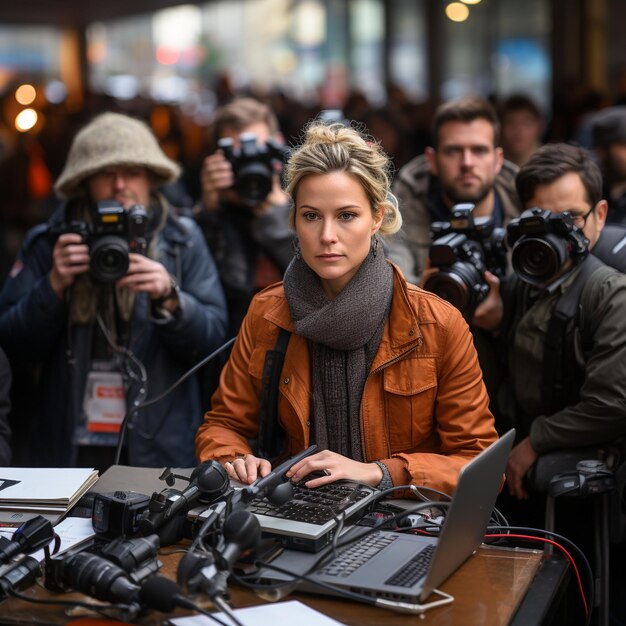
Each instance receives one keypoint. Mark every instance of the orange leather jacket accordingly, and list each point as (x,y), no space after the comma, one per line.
(424,411)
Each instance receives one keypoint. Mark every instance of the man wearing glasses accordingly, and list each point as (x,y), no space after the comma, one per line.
(589,408)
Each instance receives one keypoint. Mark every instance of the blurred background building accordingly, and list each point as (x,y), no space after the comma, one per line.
(386,63)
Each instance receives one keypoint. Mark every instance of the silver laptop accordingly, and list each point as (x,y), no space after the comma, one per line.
(402,570)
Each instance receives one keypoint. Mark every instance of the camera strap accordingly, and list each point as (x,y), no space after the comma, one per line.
(560,371)
(271,438)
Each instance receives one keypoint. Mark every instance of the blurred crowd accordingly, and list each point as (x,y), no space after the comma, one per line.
(31,161)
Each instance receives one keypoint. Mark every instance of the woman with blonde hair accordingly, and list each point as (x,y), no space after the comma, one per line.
(381,375)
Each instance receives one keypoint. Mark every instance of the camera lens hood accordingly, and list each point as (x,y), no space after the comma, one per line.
(461,285)
(109,258)
(253,181)
(538,259)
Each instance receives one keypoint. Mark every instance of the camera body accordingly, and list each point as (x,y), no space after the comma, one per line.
(542,243)
(591,477)
(117,514)
(113,234)
(463,249)
(253,165)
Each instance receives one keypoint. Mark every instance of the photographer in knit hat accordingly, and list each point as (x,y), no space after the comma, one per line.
(114,299)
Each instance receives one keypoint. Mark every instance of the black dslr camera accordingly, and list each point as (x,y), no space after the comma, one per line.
(113,234)
(253,165)
(463,249)
(543,242)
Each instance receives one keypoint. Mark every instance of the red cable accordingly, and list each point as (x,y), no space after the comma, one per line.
(560,547)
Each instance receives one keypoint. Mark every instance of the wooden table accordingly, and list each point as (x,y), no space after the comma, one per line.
(488,589)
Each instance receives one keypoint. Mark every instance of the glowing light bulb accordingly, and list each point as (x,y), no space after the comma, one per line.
(25,120)
(457,12)
(25,94)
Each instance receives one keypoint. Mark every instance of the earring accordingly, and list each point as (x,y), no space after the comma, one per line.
(374,248)
(296,249)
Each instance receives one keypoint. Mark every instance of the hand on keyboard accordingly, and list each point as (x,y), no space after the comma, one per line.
(333,467)
(317,505)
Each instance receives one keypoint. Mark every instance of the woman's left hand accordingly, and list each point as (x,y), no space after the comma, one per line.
(336,467)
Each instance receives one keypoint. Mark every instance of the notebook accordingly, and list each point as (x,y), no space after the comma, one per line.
(26,492)
(384,565)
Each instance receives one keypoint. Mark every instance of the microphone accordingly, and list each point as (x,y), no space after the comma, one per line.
(273,482)
(241,532)
(164,595)
(32,535)
(127,420)
(163,508)
(208,482)
(203,572)
(212,479)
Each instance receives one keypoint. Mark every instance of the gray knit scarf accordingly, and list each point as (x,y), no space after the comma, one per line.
(344,334)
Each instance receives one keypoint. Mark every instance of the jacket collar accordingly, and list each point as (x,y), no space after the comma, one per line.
(402,330)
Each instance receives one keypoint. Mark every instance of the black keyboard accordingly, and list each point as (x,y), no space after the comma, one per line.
(357,554)
(412,571)
(313,506)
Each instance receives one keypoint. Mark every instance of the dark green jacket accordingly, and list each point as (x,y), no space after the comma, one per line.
(596,412)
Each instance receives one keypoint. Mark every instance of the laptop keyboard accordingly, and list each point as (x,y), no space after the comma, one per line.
(361,551)
(412,571)
(357,554)
(313,506)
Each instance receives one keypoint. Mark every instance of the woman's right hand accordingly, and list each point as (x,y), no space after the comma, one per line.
(248,468)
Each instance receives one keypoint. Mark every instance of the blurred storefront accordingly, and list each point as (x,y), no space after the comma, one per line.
(311,49)
(388,63)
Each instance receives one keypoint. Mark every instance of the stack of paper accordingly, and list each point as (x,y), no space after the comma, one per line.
(43,490)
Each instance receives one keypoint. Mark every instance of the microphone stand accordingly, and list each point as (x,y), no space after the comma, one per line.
(127,421)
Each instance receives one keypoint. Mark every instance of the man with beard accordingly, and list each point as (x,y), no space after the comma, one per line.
(465,164)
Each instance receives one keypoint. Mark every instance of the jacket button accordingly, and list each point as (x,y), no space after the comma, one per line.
(411,332)
(286,381)
(308,422)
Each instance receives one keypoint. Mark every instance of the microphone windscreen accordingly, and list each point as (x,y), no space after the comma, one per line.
(160,593)
(281,494)
(212,480)
(242,528)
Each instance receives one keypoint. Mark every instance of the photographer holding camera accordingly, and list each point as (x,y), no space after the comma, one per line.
(561,316)
(464,166)
(243,211)
(113,299)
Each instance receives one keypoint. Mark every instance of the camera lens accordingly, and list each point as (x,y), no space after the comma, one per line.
(537,260)
(254,182)
(109,258)
(461,285)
